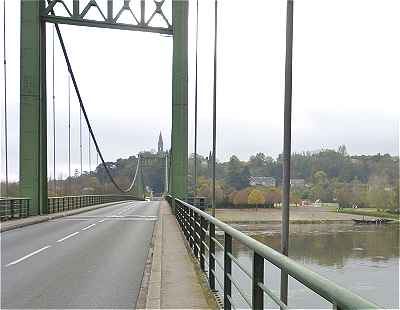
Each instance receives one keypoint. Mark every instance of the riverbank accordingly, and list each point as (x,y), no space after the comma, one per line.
(298,215)
(370,212)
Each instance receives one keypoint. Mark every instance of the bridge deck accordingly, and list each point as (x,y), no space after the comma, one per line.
(97,259)
(91,260)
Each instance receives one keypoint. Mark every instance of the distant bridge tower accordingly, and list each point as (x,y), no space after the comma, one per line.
(160,144)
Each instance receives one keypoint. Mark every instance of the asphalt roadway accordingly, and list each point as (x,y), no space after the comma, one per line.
(91,260)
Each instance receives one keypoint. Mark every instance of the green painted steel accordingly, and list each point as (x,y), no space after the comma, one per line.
(103,24)
(79,15)
(179,138)
(340,297)
(33,129)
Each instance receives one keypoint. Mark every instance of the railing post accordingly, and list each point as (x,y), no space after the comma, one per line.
(196,235)
(227,272)
(202,240)
(12,208)
(258,277)
(179,216)
(211,260)
(336,307)
(191,229)
(20,202)
(187,228)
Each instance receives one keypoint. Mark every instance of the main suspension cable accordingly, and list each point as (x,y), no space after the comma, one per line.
(60,38)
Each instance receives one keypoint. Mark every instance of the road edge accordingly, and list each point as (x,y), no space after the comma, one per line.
(45,218)
(143,296)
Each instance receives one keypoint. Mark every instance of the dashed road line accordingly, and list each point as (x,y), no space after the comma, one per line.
(69,236)
(90,226)
(27,256)
(101,221)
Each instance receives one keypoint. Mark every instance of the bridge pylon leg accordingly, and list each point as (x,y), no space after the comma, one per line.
(33,107)
(179,137)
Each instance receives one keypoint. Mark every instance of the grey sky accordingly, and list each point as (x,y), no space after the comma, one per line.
(345,87)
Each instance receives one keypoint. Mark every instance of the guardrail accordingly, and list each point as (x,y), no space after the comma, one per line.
(65,203)
(199,230)
(14,208)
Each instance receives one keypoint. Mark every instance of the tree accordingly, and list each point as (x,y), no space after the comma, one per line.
(256,198)
(241,197)
(258,165)
(244,177)
(344,196)
(295,199)
(320,178)
(238,174)
(273,196)
(204,188)
(320,189)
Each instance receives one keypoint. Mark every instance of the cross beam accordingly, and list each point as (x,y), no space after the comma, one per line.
(109,18)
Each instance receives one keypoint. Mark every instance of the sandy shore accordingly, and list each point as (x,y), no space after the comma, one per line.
(297,215)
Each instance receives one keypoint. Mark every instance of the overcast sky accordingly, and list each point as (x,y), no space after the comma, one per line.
(345,81)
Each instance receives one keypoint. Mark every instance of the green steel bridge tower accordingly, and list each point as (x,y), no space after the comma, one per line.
(33,101)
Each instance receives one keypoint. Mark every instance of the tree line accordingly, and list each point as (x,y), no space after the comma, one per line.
(329,175)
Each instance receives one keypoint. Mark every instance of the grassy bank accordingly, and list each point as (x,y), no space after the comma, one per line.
(298,215)
(370,212)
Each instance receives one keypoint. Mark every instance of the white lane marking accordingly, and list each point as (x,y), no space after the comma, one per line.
(87,227)
(29,255)
(69,236)
(101,221)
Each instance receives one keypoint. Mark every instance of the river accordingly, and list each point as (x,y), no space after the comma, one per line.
(362,258)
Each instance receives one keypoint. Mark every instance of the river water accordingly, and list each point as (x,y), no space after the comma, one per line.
(362,258)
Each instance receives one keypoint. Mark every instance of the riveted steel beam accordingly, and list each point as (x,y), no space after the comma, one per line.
(78,15)
(33,129)
(179,138)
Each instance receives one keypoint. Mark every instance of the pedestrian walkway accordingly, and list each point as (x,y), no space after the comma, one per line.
(174,283)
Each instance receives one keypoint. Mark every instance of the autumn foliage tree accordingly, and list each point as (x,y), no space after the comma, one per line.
(241,197)
(256,198)
(273,196)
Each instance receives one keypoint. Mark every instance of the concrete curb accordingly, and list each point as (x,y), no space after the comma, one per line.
(153,298)
(45,218)
(144,287)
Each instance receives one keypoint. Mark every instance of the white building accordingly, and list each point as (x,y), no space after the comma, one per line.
(262,181)
(297,183)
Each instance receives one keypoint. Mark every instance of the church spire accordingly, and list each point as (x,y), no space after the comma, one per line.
(160,144)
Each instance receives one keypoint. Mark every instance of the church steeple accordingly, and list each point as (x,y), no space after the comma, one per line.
(160,144)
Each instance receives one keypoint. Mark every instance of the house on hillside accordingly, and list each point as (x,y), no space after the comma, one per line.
(262,181)
(297,183)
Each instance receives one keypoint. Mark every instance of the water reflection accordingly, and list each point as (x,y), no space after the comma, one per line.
(363,258)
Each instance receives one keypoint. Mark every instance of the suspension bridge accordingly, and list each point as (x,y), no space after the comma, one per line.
(117,250)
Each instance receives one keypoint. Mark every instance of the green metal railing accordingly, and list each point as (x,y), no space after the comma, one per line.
(14,208)
(199,230)
(65,203)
